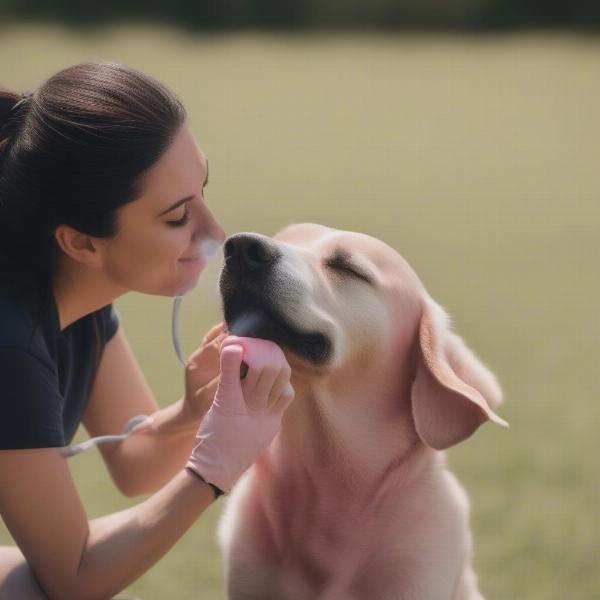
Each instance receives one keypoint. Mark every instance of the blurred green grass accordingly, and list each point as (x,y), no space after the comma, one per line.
(476,158)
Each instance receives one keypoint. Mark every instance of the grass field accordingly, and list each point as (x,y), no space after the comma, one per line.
(478,159)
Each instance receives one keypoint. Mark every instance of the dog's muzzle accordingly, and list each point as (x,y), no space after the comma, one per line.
(252,287)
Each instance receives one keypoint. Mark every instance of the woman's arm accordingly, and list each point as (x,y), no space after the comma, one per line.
(120,392)
(74,559)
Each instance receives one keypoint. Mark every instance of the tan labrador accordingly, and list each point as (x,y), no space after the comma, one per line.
(352,500)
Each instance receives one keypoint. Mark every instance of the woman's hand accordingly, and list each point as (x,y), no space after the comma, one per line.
(245,415)
(202,374)
(201,382)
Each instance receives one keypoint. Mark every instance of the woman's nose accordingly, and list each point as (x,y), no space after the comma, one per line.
(208,226)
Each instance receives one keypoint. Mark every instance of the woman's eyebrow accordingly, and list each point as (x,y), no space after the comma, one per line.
(186,199)
(175,205)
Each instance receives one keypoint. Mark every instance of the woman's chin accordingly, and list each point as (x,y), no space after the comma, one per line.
(186,285)
(179,283)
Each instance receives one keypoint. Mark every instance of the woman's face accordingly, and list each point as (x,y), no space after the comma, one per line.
(161,236)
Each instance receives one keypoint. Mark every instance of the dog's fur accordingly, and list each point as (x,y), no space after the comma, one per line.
(352,500)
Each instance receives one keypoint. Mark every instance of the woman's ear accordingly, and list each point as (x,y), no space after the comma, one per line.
(453,392)
(77,245)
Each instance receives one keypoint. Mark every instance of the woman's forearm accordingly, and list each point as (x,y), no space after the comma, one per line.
(166,450)
(124,545)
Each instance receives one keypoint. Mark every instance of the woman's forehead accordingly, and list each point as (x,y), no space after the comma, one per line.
(180,172)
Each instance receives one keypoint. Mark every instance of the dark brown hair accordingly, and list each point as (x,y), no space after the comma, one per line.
(72,152)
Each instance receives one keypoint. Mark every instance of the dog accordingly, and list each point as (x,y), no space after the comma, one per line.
(352,499)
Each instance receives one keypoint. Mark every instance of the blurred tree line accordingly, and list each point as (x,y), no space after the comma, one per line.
(315,14)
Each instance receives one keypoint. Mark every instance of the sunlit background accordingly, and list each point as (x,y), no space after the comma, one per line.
(466,134)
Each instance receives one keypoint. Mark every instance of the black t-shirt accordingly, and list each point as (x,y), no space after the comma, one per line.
(46,373)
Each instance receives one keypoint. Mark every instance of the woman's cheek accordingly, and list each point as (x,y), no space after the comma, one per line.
(180,243)
(163,247)
(134,260)
(146,260)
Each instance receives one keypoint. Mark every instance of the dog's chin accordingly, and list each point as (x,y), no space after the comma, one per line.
(248,318)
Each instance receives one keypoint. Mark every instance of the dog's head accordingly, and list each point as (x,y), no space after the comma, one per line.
(334,298)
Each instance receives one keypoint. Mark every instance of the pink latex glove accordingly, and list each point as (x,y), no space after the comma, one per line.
(245,415)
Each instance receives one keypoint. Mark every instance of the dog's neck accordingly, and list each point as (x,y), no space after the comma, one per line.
(354,432)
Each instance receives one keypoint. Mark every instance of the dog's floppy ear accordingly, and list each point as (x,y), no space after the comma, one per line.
(453,392)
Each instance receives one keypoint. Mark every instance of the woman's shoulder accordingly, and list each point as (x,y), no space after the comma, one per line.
(31,403)
(16,319)
(19,330)
(108,320)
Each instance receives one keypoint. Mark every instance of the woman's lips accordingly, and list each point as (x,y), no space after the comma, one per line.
(203,254)
(195,263)
(191,258)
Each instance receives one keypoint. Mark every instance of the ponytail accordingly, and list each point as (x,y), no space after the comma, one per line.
(11,105)
(8,100)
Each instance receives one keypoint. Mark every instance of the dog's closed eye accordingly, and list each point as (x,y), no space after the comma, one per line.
(342,262)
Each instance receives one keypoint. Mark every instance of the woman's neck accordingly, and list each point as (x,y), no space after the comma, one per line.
(80,290)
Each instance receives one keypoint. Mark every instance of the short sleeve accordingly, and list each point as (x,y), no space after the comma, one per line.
(108,321)
(30,402)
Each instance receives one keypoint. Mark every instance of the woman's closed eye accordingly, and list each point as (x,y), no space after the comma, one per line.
(182,221)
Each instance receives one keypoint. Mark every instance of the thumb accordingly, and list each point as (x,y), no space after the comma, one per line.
(231,360)
(229,396)
(286,397)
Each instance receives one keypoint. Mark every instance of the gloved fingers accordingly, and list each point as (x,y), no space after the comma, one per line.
(267,375)
(257,399)
(231,360)
(228,341)
(229,389)
(258,352)
(279,386)
(237,429)
(266,363)
(286,398)
(251,378)
(244,369)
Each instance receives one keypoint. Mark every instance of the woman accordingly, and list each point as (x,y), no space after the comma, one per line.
(101,193)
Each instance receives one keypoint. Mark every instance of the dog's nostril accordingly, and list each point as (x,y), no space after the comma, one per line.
(256,253)
(250,251)
(229,249)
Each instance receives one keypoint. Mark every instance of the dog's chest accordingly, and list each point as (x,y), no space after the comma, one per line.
(324,541)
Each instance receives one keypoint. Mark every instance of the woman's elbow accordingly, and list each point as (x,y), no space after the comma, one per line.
(131,485)
(126,480)
(76,593)
(130,488)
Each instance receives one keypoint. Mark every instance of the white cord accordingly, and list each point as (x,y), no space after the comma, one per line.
(209,249)
(69,451)
(175,329)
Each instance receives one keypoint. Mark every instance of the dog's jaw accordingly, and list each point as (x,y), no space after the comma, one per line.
(248,316)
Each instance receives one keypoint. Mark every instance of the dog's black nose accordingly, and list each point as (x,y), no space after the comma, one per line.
(250,251)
